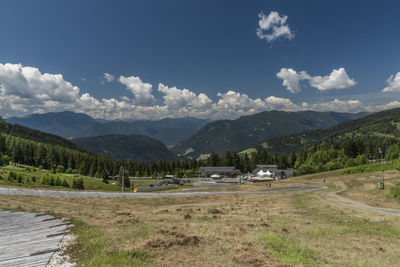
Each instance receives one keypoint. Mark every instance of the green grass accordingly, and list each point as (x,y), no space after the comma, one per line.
(395,192)
(287,249)
(91,184)
(248,151)
(341,223)
(92,249)
(390,165)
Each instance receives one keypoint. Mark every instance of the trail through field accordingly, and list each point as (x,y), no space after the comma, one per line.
(343,201)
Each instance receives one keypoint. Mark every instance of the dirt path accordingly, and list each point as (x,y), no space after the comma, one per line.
(85,194)
(343,201)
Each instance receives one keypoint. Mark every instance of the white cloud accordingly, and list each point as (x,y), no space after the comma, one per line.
(237,104)
(291,79)
(390,105)
(273,26)
(278,103)
(109,77)
(183,98)
(335,105)
(24,90)
(393,83)
(140,90)
(337,79)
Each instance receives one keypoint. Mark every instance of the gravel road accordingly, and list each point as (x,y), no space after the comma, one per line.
(335,198)
(85,194)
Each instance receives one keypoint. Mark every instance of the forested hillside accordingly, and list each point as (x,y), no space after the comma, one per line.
(345,145)
(35,135)
(381,127)
(129,147)
(235,135)
(169,131)
(58,154)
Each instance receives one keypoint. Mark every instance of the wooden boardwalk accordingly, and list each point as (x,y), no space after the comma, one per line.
(29,239)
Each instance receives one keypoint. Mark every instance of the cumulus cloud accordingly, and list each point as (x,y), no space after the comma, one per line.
(140,90)
(183,98)
(273,26)
(335,105)
(337,79)
(390,105)
(393,83)
(25,90)
(291,79)
(109,77)
(279,103)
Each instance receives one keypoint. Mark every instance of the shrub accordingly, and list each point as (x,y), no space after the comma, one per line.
(60,168)
(57,181)
(395,192)
(45,180)
(12,176)
(33,178)
(78,183)
(20,178)
(64,183)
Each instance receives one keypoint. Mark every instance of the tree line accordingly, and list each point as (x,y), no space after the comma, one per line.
(59,158)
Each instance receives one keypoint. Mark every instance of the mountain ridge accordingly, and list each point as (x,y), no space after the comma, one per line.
(244,132)
(126,147)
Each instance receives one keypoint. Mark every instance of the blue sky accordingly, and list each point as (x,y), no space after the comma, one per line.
(198,58)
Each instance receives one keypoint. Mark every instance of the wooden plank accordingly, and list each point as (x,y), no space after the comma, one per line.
(29,239)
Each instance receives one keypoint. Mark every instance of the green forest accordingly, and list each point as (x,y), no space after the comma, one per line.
(30,147)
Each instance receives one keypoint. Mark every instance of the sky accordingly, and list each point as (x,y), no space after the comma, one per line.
(206,59)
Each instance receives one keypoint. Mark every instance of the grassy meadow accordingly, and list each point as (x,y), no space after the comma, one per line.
(32,178)
(279,229)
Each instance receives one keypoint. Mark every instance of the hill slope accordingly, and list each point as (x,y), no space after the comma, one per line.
(35,135)
(169,131)
(378,127)
(235,135)
(74,125)
(66,124)
(129,147)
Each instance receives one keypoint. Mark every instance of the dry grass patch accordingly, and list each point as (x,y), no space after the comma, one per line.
(277,229)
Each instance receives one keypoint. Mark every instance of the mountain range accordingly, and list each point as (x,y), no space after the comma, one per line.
(74,125)
(242,133)
(378,127)
(169,131)
(67,124)
(126,147)
(138,139)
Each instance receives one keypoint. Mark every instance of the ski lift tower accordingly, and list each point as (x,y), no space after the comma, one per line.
(381,184)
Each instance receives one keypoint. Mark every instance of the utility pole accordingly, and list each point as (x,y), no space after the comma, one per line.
(123,178)
(382,184)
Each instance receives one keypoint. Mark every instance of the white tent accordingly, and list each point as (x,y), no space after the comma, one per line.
(261,173)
